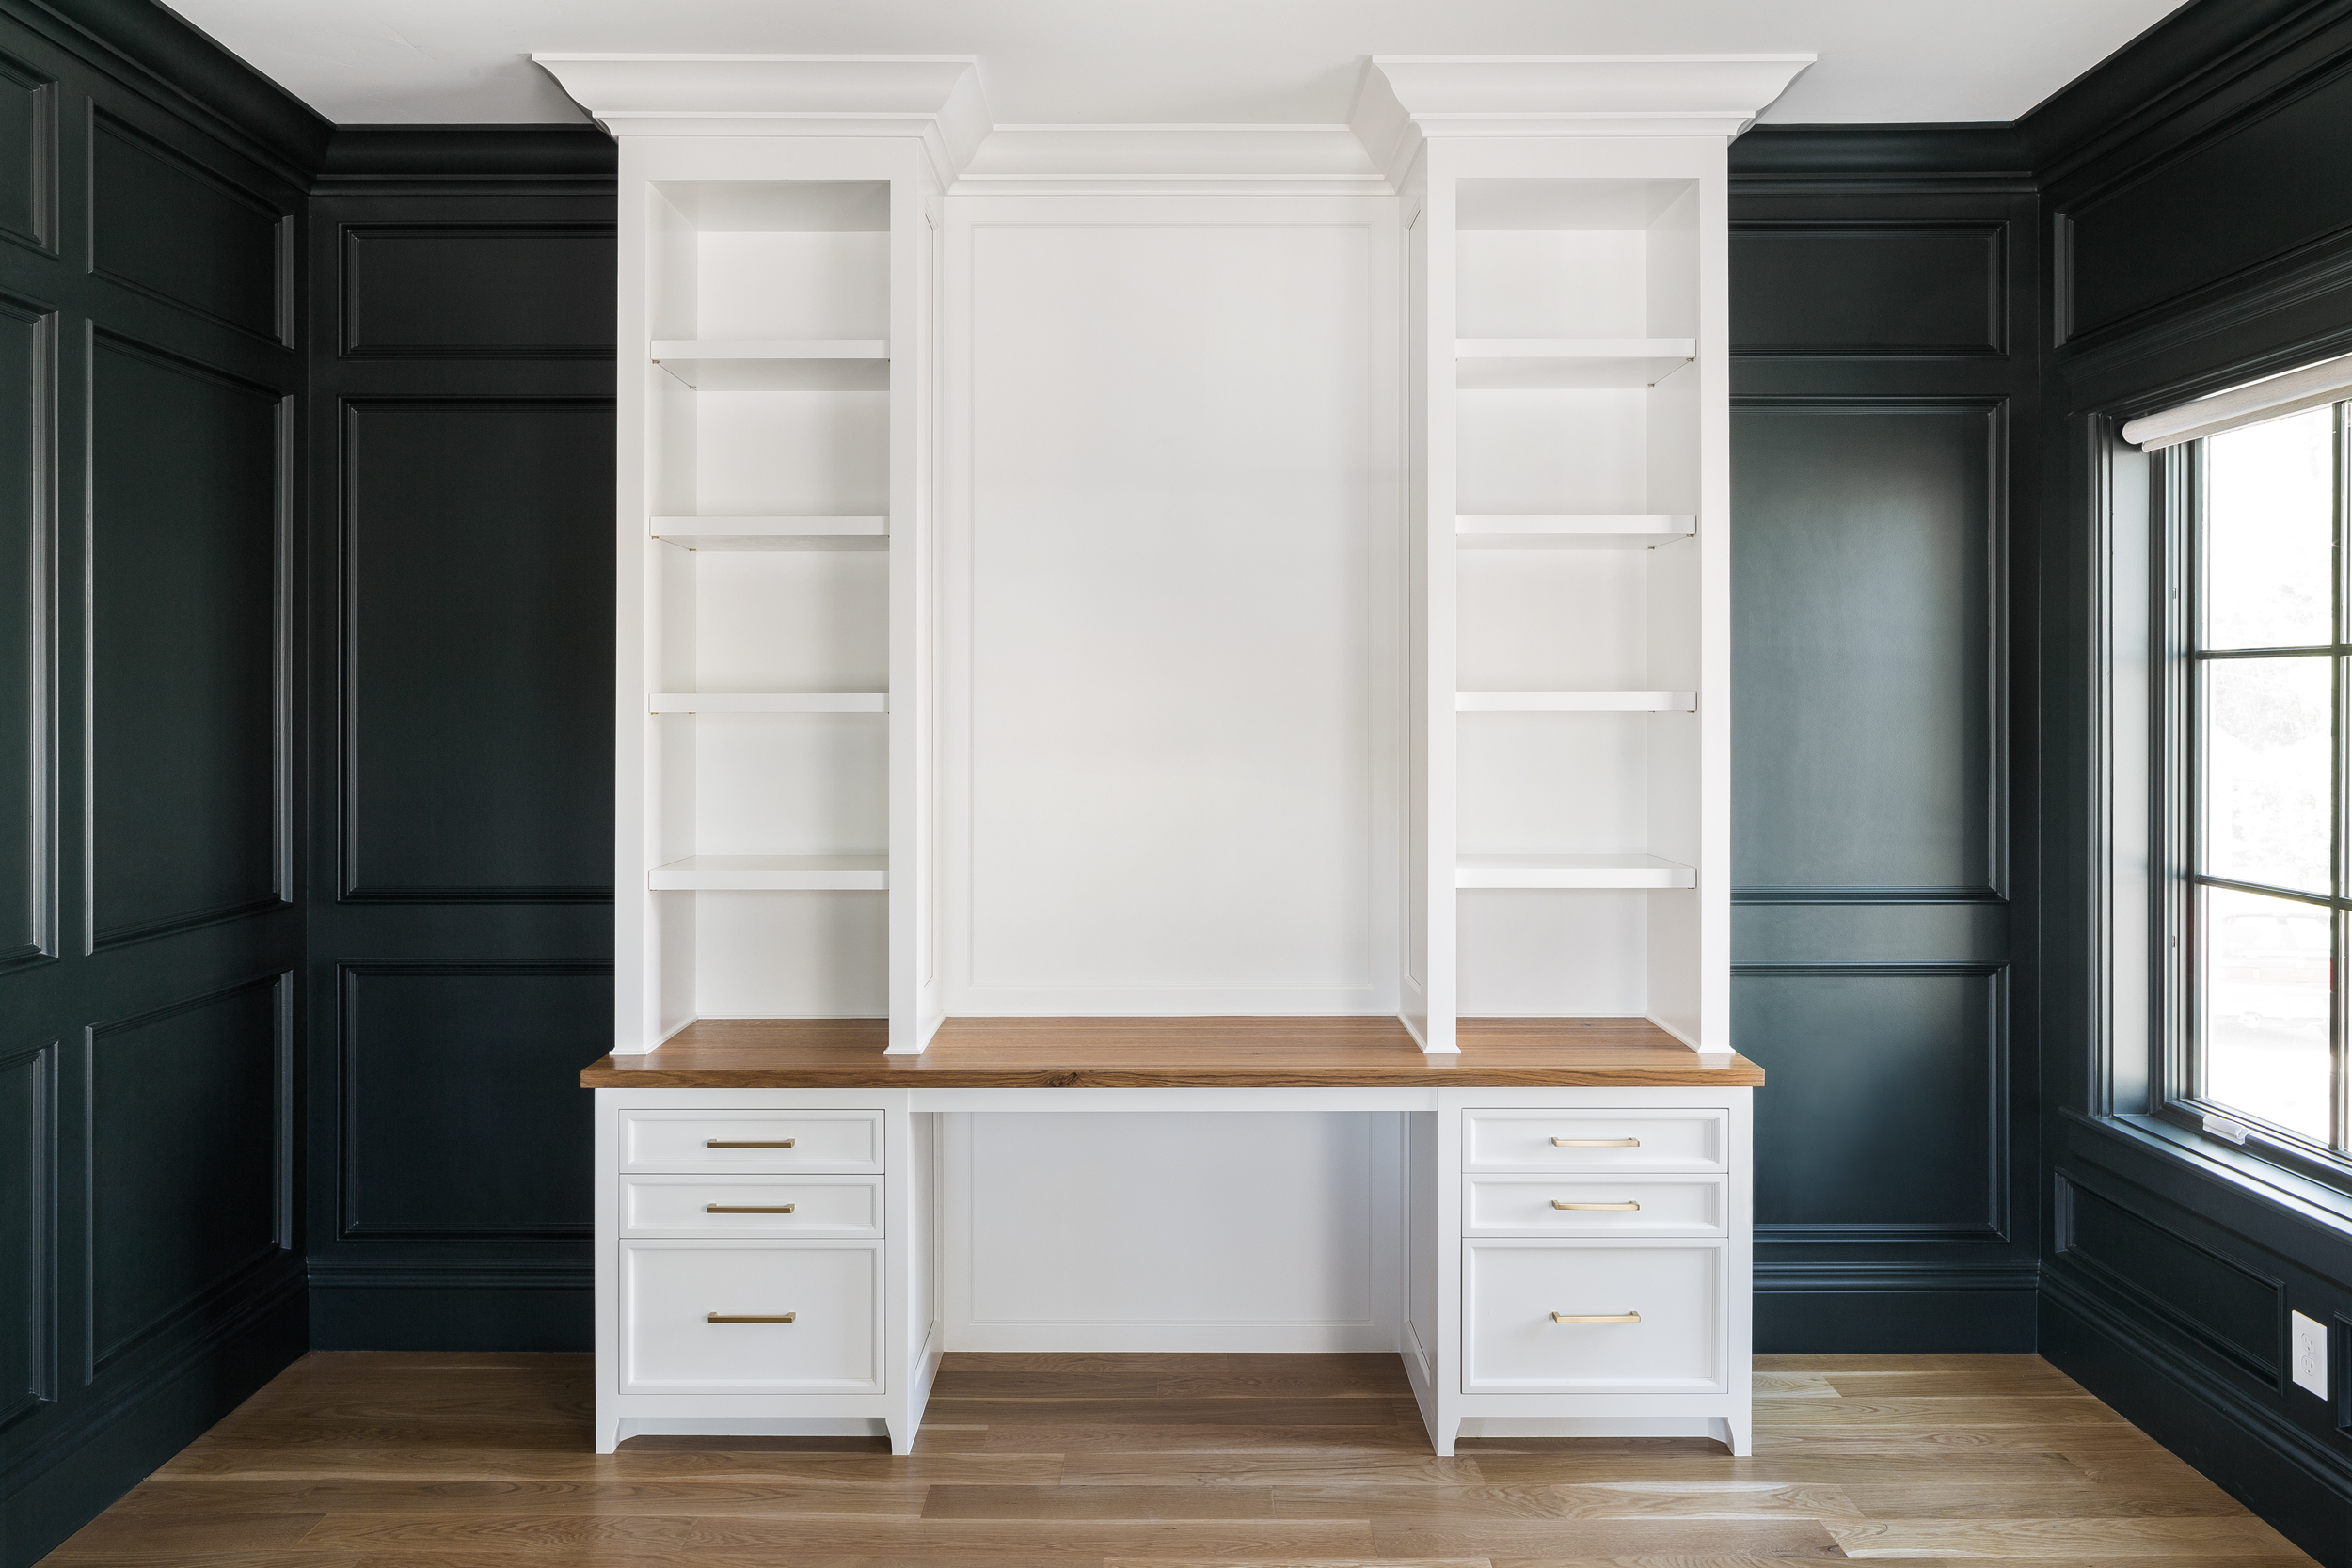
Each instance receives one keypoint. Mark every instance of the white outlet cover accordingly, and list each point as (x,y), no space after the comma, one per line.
(2311,1353)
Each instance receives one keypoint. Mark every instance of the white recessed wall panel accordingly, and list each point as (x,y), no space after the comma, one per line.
(791,620)
(1251,1231)
(790,955)
(1553,620)
(1552,784)
(824,453)
(790,783)
(1554,954)
(1555,284)
(1169,639)
(794,285)
(1551,452)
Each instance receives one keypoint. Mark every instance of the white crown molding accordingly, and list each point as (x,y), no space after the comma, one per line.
(1068,160)
(1406,99)
(935,97)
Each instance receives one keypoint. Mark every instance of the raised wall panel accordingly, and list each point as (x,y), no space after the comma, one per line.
(1869,289)
(461,1113)
(27,558)
(28,1236)
(28,155)
(168,227)
(2231,1307)
(1183,813)
(474,682)
(1884,1117)
(182,1143)
(1869,650)
(477,290)
(2280,180)
(186,634)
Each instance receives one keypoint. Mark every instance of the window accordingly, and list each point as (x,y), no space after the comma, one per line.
(2261,690)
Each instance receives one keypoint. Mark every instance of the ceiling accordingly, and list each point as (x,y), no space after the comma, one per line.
(1067,62)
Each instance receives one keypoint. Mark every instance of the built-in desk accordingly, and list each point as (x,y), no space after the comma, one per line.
(1572,1243)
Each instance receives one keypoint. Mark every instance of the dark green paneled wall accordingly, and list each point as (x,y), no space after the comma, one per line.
(150,832)
(460,946)
(1884,381)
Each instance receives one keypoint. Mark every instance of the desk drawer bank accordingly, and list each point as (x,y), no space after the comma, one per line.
(1575,1255)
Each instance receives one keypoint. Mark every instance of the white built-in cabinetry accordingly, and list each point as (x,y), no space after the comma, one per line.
(1402,679)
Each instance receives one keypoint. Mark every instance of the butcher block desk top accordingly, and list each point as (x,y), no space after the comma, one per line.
(1169,1052)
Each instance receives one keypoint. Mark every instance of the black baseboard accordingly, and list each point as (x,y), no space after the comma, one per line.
(2274,1467)
(452,1307)
(75,1478)
(1893,1309)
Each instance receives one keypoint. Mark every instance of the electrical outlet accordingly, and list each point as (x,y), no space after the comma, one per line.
(2311,1353)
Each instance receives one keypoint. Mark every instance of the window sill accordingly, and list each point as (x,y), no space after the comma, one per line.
(2313,1202)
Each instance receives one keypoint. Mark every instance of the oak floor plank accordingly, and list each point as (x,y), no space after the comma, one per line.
(1102,1502)
(2244,1535)
(1284,1410)
(1342,1376)
(1671,1537)
(1435,1506)
(436,1498)
(2082,1499)
(1317,1468)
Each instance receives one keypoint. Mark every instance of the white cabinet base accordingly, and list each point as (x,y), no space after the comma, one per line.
(1472,1301)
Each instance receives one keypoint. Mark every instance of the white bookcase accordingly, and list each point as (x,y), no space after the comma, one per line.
(1561,613)
(774,688)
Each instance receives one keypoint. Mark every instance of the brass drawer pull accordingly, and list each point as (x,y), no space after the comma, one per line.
(1562,1203)
(1597,1317)
(722,1143)
(721,1317)
(1580,1143)
(748,1208)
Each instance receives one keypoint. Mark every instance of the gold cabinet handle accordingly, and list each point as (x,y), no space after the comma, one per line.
(1582,1143)
(1625,1208)
(722,1143)
(1597,1317)
(749,1208)
(722,1318)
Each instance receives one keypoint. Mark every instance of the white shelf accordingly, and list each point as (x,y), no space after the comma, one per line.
(1592,531)
(771,702)
(776,364)
(774,533)
(1570,871)
(1492,363)
(1575,701)
(771,874)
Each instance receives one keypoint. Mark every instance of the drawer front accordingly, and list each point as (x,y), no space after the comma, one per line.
(1514,1344)
(751,1140)
(1594,1140)
(669,1290)
(1593,1206)
(812,1205)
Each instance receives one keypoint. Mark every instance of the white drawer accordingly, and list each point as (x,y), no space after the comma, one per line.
(1584,1204)
(1514,1344)
(1594,1140)
(751,1140)
(670,1345)
(812,1205)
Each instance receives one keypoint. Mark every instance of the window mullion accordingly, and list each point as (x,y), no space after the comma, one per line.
(2340,1014)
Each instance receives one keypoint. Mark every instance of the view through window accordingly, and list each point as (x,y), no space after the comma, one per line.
(2266,650)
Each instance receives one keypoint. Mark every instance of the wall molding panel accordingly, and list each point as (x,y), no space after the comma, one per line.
(28,1230)
(204,204)
(28,669)
(148,1143)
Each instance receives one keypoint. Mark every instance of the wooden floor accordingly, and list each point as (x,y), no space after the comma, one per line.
(389,1461)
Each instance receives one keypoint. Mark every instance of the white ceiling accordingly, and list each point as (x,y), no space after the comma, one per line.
(1064,62)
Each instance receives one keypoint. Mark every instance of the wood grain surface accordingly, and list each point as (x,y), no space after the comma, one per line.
(468,1460)
(1168,1052)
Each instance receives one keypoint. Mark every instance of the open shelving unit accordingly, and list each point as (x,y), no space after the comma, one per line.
(772,705)
(1568,734)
